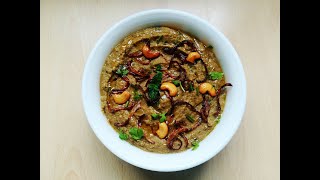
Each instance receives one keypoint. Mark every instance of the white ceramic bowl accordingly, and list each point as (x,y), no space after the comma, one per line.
(231,65)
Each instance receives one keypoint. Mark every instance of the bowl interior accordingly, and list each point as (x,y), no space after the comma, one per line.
(231,65)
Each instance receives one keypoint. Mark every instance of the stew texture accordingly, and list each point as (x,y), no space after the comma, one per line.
(162,90)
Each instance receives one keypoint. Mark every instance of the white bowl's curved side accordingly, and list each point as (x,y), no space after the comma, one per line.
(229,60)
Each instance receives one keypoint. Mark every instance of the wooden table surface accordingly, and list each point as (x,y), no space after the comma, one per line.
(70,149)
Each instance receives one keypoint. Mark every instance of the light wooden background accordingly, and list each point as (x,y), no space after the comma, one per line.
(69,148)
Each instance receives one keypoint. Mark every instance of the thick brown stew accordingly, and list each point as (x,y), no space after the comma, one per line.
(162,90)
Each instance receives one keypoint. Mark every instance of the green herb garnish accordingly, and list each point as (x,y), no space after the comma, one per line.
(136,95)
(191,88)
(123,135)
(195,145)
(122,71)
(127,104)
(136,133)
(215,75)
(157,78)
(153,92)
(178,83)
(162,117)
(190,118)
(155,116)
(153,87)
(197,90)
(158,67)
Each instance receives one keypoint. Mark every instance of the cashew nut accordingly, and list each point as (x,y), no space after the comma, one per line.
(170,87)
(121,98)
(163,130)
(148,53)
(204,87)
(193,56)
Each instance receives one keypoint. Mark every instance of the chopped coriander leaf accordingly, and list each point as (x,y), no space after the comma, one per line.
(176,82)
(136,95)
(127,104)
(197,90)
(123,135)
(195,145)
(153,92)
(215,75)
(157,78)
(191,88)
(155,116)
(153,88)
(122,71)
(158,67)
(136,133)
(190,118)
(210,47)
(162,117)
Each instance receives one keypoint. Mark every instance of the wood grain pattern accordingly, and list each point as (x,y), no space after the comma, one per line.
(69,30)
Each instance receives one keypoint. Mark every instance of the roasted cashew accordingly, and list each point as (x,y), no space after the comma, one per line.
(193,56)
(204,87)
(163,130)
(121,98)
(170,87)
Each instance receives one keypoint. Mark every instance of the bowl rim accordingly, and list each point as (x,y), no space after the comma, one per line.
(138,164)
